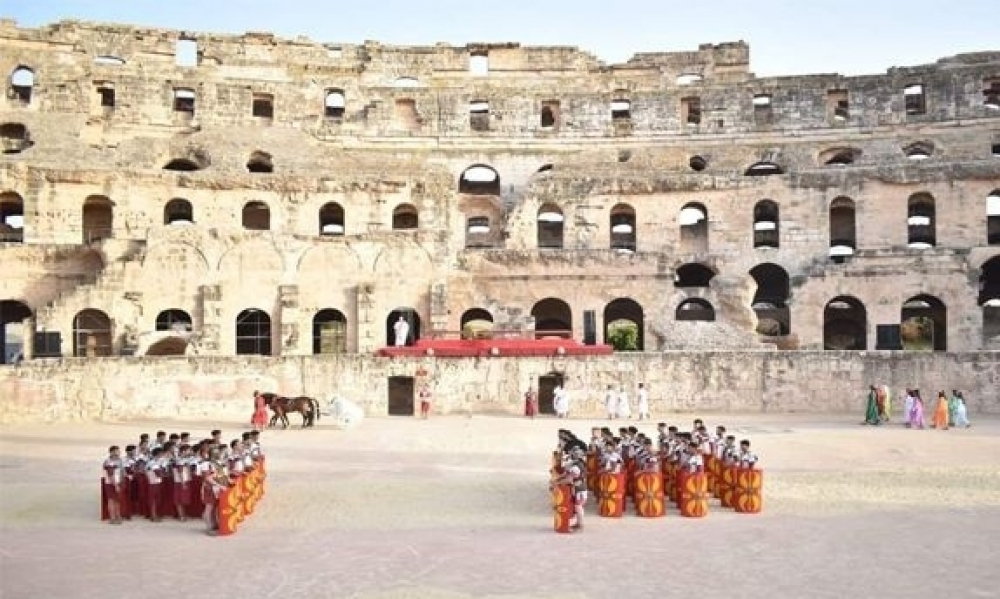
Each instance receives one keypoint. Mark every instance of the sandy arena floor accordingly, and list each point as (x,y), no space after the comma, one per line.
(458,507)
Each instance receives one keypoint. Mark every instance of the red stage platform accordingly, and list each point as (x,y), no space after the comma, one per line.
(496,348)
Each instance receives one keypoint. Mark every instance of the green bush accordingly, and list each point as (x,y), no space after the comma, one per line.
(624,336)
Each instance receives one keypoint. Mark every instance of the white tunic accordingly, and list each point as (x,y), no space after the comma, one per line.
(643,401)
(624,410)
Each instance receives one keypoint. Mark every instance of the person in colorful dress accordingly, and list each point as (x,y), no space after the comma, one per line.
(941,412)
(259,419)
(871,407)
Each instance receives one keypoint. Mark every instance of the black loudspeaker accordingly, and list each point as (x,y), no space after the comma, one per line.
(589,327)
(887,336)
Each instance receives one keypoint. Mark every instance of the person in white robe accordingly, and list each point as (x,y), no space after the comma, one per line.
(642,397)
(402,331)
(624,409)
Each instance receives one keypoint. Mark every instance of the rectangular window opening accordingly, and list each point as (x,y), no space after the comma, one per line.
(263,106)
(914,99)
(186,53)
(479,63)
(621,110)
(479,115)
(691,110)
(184,101)
(550,114)
(836,104)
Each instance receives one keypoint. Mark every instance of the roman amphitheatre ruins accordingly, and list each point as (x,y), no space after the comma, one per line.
(187,217)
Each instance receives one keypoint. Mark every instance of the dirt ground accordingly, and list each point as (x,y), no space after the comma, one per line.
(457,507)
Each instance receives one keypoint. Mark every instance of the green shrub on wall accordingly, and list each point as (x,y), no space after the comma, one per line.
(623,336)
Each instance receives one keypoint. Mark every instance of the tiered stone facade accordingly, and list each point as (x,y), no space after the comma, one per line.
(170,193)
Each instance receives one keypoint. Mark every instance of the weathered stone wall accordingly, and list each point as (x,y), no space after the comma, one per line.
(406,138)
(688,381)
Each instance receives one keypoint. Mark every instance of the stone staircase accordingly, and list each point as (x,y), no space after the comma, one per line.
(105,290)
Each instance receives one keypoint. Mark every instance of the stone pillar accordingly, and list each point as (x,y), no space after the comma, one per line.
(209,337)
(28,338)
(369,324)
(288,300)
(438,308)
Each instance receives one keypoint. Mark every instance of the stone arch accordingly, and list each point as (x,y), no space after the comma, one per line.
(253,333)
(402,261)
(764,169)
(621,311)
(411,317)
(989,300)
(189,160)
(623,228)
(693,274)
(168,346)
(325,259)
(257,258)
(92,334)
(845,324)
(693,222)
(919,150)
(329,332)
(14,138)
(332,220)
(405,217)
(22,84)
(178,211)
(98,218)
(843,228)
(553,317)
(695,309)
(174,320)
(924,323)
(256,216)
(11,217)
(550,224)
(921,221)
(476,323)
(12,314)
(839,156)
(479,179)
(766,225)
(770,302)
(174,256)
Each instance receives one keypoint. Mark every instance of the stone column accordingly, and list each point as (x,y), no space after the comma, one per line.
(288,299)
(209,338)
(369,325)
(438,308)
(28,338)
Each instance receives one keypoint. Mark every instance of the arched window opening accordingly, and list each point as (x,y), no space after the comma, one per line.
(921,150)
(843,232)
(689,79)
(545,168)
(693,221)
(110,61)
(697,164)
(178,211)
(329,332)
(479,115)
(624,325)
(839,156)
(256,217)
(11,218)
(253,333)
(623,225)
(693,275)
(695,309)
(766,230)
(405,217)
(920,222)
(13,313)
(477,323)
(412,329)
(550,227)
(92,337)
(478,232)
(174,320)
(331,219)
(989,300)
(924,324)
(335,104)
(845,324)
(260,162)
(184,101)
(993,218)
(182,165)
(22,84)
(770,302)
(550,114)
(14,138)
(98,219)
(553,318)
(764,169)
(479,180)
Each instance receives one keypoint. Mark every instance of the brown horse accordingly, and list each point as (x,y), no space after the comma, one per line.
(281,406)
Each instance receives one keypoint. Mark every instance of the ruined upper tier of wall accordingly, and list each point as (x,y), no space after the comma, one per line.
(132,76)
